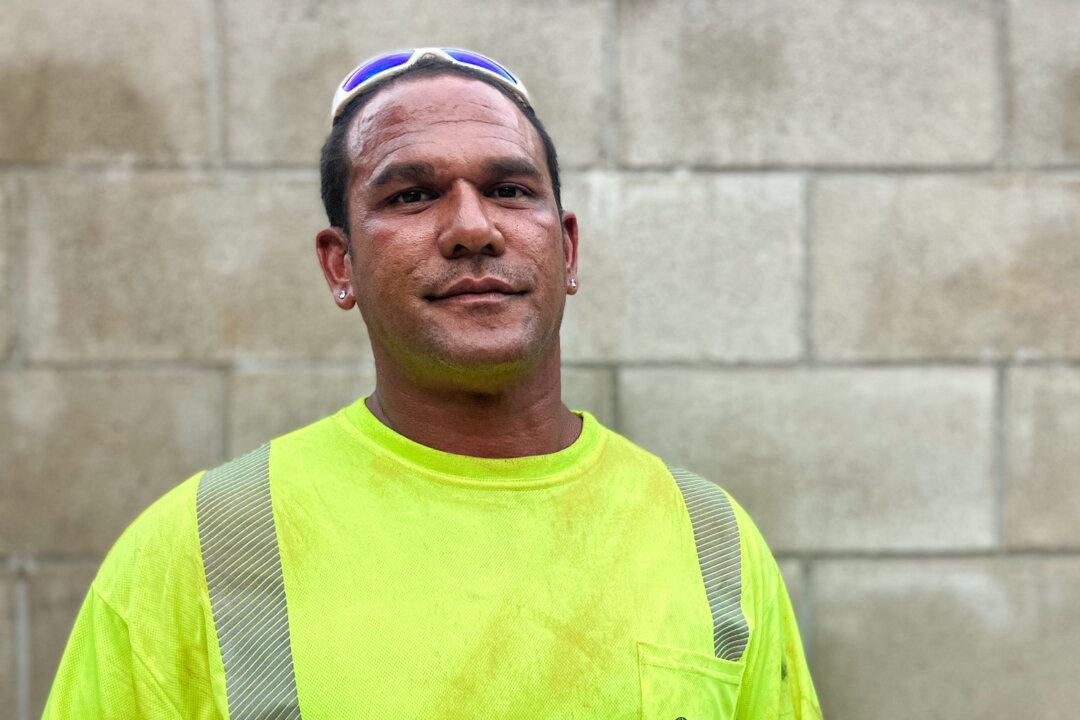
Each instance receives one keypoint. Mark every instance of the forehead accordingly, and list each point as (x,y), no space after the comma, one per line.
(441,119)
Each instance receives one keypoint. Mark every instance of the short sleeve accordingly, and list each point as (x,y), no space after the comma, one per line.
(100,676)
(776,680)
(797,698)
(142,645)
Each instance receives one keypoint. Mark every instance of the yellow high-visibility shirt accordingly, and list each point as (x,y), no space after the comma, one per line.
(422,584)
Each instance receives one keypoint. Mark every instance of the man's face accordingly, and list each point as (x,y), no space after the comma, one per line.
(460,257)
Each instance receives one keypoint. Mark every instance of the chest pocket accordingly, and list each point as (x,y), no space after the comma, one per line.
(678,684)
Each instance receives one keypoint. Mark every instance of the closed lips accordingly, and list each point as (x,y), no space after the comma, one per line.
(473,286)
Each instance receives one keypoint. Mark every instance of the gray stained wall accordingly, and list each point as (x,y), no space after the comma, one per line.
(830,259)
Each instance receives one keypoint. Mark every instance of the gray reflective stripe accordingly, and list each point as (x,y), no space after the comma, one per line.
(247,592)
(716,534)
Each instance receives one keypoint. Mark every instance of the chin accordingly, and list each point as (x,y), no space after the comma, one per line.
(473,359)
(488,367)
(479,346)
(494,359)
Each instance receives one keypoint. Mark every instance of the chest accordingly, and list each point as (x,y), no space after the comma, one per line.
(446,617)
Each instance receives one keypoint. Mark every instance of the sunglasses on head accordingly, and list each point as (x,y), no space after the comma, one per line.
(389,64)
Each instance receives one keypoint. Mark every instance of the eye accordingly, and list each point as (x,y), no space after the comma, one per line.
(509,192)
(412,195)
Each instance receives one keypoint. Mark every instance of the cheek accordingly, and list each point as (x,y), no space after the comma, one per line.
(392,258)
(553,258)
(540,238)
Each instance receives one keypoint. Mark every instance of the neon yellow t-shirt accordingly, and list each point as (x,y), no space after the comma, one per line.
(422,584)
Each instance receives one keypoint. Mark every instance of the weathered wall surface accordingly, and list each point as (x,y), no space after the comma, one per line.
(830,259)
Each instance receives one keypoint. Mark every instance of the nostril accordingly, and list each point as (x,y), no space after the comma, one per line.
(461,250)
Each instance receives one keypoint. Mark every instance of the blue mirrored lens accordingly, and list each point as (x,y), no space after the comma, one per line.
(480,61)
(376,66)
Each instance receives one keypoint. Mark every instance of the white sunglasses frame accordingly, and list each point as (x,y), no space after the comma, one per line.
(343,96)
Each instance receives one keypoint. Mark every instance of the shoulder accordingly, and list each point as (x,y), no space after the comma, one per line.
(631,458)
(153,576)
(760,572)
(160,548)
(714,512)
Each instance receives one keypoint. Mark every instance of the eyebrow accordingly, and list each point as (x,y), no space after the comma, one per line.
(423,173)
(512,167)
(405,172)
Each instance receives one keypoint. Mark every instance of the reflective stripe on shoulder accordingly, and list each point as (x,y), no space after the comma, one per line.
(716,534)
(247,593)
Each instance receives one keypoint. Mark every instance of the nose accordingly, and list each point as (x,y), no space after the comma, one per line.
(466,228)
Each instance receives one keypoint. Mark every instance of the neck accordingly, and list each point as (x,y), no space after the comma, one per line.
(519,418)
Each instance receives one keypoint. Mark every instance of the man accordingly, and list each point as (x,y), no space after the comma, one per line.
(459,544)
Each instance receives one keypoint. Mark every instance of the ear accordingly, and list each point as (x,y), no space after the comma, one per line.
(332,248)
(570,248)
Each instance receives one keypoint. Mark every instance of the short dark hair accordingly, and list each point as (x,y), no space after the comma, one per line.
(334,162)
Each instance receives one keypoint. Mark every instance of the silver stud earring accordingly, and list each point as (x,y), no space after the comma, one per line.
(341,294)
(573,283)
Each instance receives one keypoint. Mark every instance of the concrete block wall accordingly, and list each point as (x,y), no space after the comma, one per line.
(830,259)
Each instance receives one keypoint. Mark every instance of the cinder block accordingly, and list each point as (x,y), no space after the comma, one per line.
(85,451)
(1044,64)
(7,245)
(57,591)
(833,82)
(268,403)
(946,267)
(283,64)
(173,265)
(590,389)
(867,459)
(993,639)
(103,80)
(7,638)
(695,267)
(1042,502)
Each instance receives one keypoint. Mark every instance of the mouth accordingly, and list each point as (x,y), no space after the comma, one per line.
(476,290)
(472,299)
